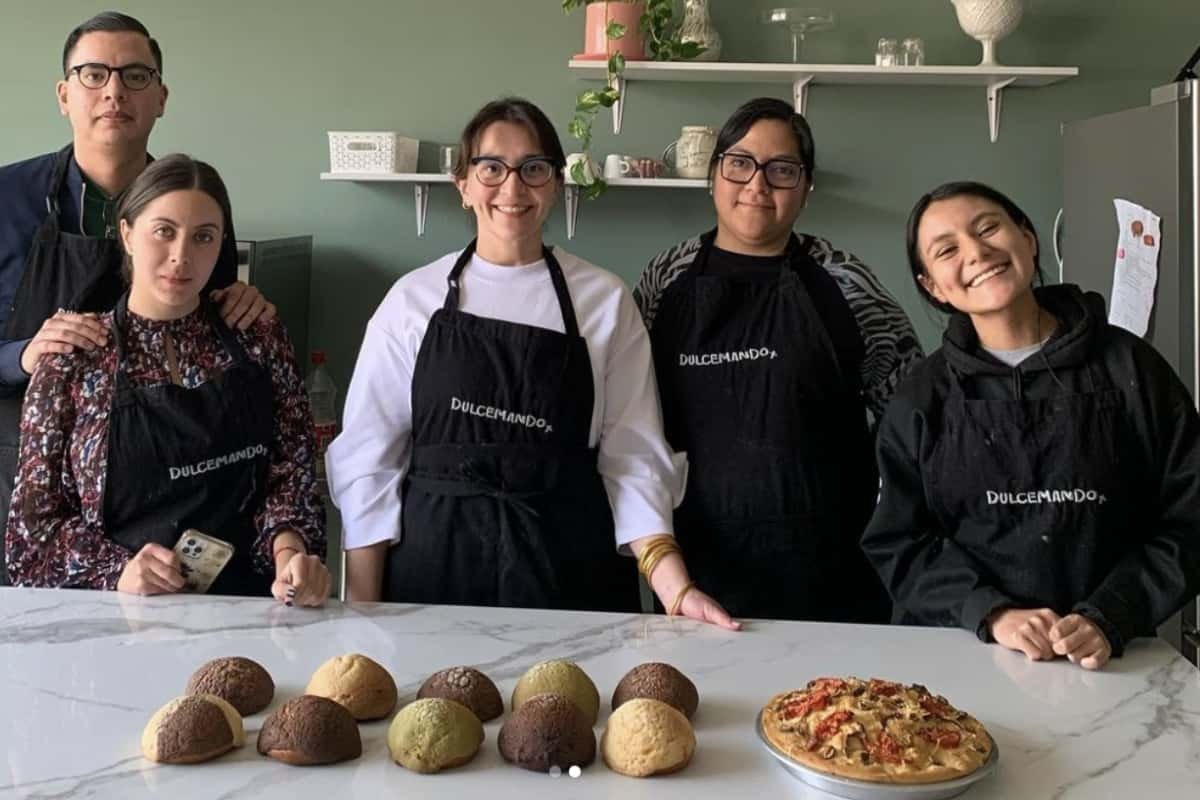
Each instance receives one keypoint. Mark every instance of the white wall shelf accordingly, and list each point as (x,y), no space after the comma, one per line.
(421,182)
(993,78)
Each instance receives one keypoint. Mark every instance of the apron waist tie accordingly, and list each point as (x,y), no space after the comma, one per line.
(474,485)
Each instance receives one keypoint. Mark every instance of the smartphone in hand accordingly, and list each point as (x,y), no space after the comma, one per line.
(201,559)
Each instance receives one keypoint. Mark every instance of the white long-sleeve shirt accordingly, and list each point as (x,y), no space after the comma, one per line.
(367,462)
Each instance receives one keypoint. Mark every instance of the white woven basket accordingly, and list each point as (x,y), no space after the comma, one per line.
(371,151)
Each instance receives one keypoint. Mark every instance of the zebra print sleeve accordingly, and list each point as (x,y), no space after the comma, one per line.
(892,348)
(660,273)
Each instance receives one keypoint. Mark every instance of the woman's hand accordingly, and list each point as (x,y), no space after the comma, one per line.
(1081,641)
(1026,630)
(302,580)
(242,305)
(670,577)
(698,605)
(154,570)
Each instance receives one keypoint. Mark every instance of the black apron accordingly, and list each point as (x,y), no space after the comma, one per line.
(503,504)
(1038,491)
(782,478)
(198,458)
(62,270)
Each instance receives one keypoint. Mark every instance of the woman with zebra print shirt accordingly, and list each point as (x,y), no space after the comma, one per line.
(771,349)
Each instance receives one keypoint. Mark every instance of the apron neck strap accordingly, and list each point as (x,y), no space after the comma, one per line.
(58,176)
(570,322)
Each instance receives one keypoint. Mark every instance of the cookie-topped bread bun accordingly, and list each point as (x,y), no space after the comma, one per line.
(310,730)
(358,683)
(468,686)
(559,677)
(658,682)
(548,730)
(242,683)
(191,729)
(433,734)
(647,737)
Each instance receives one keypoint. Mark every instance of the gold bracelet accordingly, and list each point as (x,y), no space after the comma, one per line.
(678,601)
(654,552)
(651,555)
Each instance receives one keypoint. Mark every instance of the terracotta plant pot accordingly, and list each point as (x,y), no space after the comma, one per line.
(597,45)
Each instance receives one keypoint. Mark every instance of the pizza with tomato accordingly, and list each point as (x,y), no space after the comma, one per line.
(875,730)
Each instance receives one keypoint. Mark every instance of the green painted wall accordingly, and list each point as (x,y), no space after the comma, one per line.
(255,84)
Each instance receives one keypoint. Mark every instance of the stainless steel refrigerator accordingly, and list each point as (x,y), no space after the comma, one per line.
(1150,156)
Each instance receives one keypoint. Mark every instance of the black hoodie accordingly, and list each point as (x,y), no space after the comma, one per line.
(1071,481)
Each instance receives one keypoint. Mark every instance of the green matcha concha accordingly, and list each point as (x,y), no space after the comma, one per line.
(559,677)
(432,734)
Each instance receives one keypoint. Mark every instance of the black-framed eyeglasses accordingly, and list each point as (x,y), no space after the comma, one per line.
(533,172)
(134,77)
(780,173)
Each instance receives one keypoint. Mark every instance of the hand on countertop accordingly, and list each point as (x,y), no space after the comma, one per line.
(302,581)
(698,605)
(1081,641)
(1026,630)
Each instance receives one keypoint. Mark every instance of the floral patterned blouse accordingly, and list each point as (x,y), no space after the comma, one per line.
(55,535)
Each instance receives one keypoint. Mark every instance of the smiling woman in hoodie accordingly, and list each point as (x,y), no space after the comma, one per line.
(1038,472)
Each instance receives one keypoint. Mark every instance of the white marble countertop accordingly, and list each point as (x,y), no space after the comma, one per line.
(81,673)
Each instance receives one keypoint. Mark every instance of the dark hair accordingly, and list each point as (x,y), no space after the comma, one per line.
(174,173)
(510,109)
(760,108)
(961,189)
(110,22)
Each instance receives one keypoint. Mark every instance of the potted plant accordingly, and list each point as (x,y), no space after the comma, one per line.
(654,27)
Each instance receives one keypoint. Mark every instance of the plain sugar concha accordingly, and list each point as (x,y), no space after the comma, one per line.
(361,685)
(647,737)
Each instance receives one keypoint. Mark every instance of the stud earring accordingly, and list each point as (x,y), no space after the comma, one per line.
(466,206)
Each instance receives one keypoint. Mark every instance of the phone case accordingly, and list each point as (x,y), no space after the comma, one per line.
(201,559)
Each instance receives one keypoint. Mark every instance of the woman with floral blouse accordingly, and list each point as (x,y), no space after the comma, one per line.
(177,423)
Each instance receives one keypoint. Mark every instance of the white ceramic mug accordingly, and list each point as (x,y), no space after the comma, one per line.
(692,151)
(590,169)
(619,166)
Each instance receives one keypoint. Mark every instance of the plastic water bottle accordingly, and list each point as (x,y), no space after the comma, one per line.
(322,399)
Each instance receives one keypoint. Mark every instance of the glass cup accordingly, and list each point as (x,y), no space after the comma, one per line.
(913,52)
(887,53)
(447,158)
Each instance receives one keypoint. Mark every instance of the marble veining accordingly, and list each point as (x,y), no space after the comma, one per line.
(81,672)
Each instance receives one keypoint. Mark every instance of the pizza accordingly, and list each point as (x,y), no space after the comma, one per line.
(875,730)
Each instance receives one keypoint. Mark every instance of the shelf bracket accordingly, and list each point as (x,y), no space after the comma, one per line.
(421,198)
(800,94)
(618,82)
(571,194)
(994,97)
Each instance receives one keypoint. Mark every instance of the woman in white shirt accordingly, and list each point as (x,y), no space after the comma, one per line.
(502,439)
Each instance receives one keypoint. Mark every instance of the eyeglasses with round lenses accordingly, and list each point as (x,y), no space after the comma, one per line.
(533,172)
(134,77)
(780,173)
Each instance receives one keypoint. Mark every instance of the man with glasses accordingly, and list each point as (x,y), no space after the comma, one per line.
(59,256)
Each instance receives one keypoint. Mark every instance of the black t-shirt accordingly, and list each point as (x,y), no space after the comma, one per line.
(727,264)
